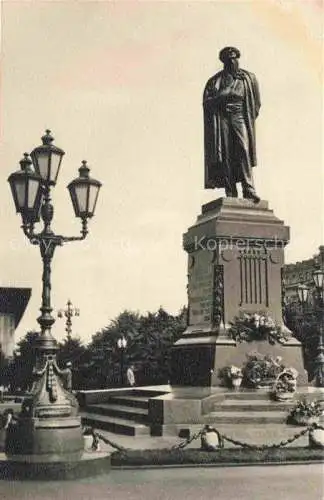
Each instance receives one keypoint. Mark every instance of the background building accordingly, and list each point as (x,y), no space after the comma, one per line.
(13,302)
(301,273)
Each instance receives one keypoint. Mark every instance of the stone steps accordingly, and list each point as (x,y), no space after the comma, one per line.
(123,413)
(131,401)
(250,408)
(126,412)
(145,392)
(255,405)
(114,424)
(234,417)
(255,395)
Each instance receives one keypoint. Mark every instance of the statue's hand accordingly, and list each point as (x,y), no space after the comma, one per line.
(211,101)
(225,91)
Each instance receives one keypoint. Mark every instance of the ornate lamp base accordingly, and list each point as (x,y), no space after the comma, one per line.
(45,442)
(48,423)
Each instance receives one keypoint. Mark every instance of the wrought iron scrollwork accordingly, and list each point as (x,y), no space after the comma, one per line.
(218,306)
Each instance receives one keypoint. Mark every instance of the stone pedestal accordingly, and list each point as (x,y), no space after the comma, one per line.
(235,261)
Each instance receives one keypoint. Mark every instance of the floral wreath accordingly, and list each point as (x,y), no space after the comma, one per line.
(249,327)
(260,368)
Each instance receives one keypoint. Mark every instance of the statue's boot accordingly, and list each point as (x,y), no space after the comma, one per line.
(251,195)
(231,192)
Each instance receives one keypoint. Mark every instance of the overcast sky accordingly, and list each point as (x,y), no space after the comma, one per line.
(120,85)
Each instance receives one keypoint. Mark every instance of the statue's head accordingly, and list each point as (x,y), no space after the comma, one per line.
(229,57)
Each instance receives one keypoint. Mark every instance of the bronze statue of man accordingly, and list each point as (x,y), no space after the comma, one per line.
(231,104)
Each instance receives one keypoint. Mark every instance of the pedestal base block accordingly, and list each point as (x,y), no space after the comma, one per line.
(42,467)
(235,263)
(198,365)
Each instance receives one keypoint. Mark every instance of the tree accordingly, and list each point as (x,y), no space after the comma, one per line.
(160,331)
(104,356)
(4,369)
(149,337)
(22,365)
(304,322)
(149,340)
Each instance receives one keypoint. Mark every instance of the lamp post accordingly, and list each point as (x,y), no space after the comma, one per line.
(69,312)
(48,424)
(318,277)
(122,344)
(303,297)
(17,364)
(1,376)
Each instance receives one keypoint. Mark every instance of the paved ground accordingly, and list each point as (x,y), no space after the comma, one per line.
(285,482)
(297,482)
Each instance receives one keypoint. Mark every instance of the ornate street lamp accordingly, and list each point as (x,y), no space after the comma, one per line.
(48,424)
(302,291)
(68,312)
(47,159)
(318,277)
(26,191)
(84,192)
(1,370)
(122,344)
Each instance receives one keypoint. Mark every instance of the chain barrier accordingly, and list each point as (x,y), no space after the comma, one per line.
(187,441)
(265,446)
(221,438)
(117,447)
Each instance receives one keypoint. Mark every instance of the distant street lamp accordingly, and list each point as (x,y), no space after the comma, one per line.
(68,312)
(318,277)
(303,293)
(15,376)
(49,423)
(122,344)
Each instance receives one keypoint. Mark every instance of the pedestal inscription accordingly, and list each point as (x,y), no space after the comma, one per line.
(200,289)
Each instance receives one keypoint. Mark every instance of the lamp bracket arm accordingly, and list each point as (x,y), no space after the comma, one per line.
(67,239)
(84,232)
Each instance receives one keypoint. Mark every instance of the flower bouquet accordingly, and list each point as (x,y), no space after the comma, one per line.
(285,385)
(231,376)
(305,412)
